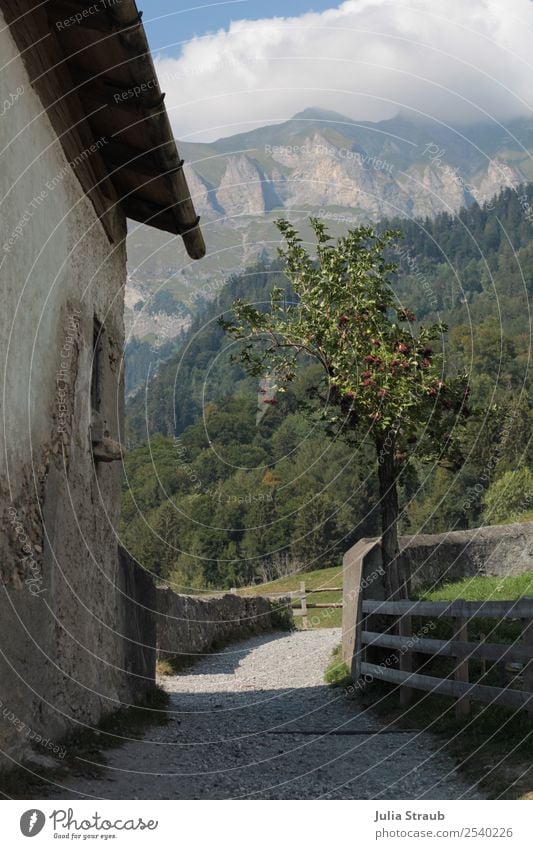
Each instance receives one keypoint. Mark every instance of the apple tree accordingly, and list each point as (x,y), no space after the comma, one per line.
(383,373)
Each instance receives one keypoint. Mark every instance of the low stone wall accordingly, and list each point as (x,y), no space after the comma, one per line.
(498,550)
(188,625)
(362,577)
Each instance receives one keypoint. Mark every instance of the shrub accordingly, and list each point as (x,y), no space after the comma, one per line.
(509,497)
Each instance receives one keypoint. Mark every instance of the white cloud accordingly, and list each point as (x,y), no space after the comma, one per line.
(457,62)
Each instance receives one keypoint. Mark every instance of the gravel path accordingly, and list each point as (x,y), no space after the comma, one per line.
(257,721)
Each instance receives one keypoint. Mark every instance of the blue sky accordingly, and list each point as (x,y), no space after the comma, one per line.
(169,22)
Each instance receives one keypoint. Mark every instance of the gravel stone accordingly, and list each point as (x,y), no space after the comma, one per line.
(257,721)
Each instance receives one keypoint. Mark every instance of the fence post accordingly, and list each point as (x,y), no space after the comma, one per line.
(304,604)
(462,705)
(483,661)
(527,639)
(405,629)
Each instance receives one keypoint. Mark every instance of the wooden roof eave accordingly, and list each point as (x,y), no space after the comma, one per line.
(161,196)
(142,68)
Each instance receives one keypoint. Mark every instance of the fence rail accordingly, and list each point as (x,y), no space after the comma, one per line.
(406,645)
(520,609)
(302,596)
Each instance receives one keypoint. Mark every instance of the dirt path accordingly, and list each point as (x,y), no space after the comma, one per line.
(257,721)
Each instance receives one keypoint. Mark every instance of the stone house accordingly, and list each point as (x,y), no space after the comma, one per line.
(85,142)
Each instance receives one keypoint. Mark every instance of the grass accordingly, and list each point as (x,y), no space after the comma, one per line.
(483,589)
(173,664)
(493,630)
(325,617)
(164,668)
(493,747)
(337,673)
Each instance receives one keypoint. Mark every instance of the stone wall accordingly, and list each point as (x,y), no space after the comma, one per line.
(191,626)
(38,695)
(499,550)
(362,577)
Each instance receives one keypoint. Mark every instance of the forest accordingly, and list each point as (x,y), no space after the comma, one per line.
(226,484)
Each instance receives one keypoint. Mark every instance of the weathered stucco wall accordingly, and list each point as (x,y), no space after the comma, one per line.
(62,657)
(499,550)
(136,600)
(189,626)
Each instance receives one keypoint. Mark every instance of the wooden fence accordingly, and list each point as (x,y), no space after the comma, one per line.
(302,594)
(405,644)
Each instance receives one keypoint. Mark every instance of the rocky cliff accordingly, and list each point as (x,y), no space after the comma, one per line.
(318,160)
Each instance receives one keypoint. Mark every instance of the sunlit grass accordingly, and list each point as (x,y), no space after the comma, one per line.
(324,617)
(483,589)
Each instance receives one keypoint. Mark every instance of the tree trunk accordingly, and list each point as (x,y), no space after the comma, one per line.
(388,495)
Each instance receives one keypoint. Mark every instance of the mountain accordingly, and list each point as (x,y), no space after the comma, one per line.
(323,160)
(317,163)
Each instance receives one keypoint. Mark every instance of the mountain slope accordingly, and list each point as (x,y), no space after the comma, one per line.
(317,163)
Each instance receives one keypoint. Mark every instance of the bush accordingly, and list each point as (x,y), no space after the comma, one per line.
(509,497)
(281,614)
